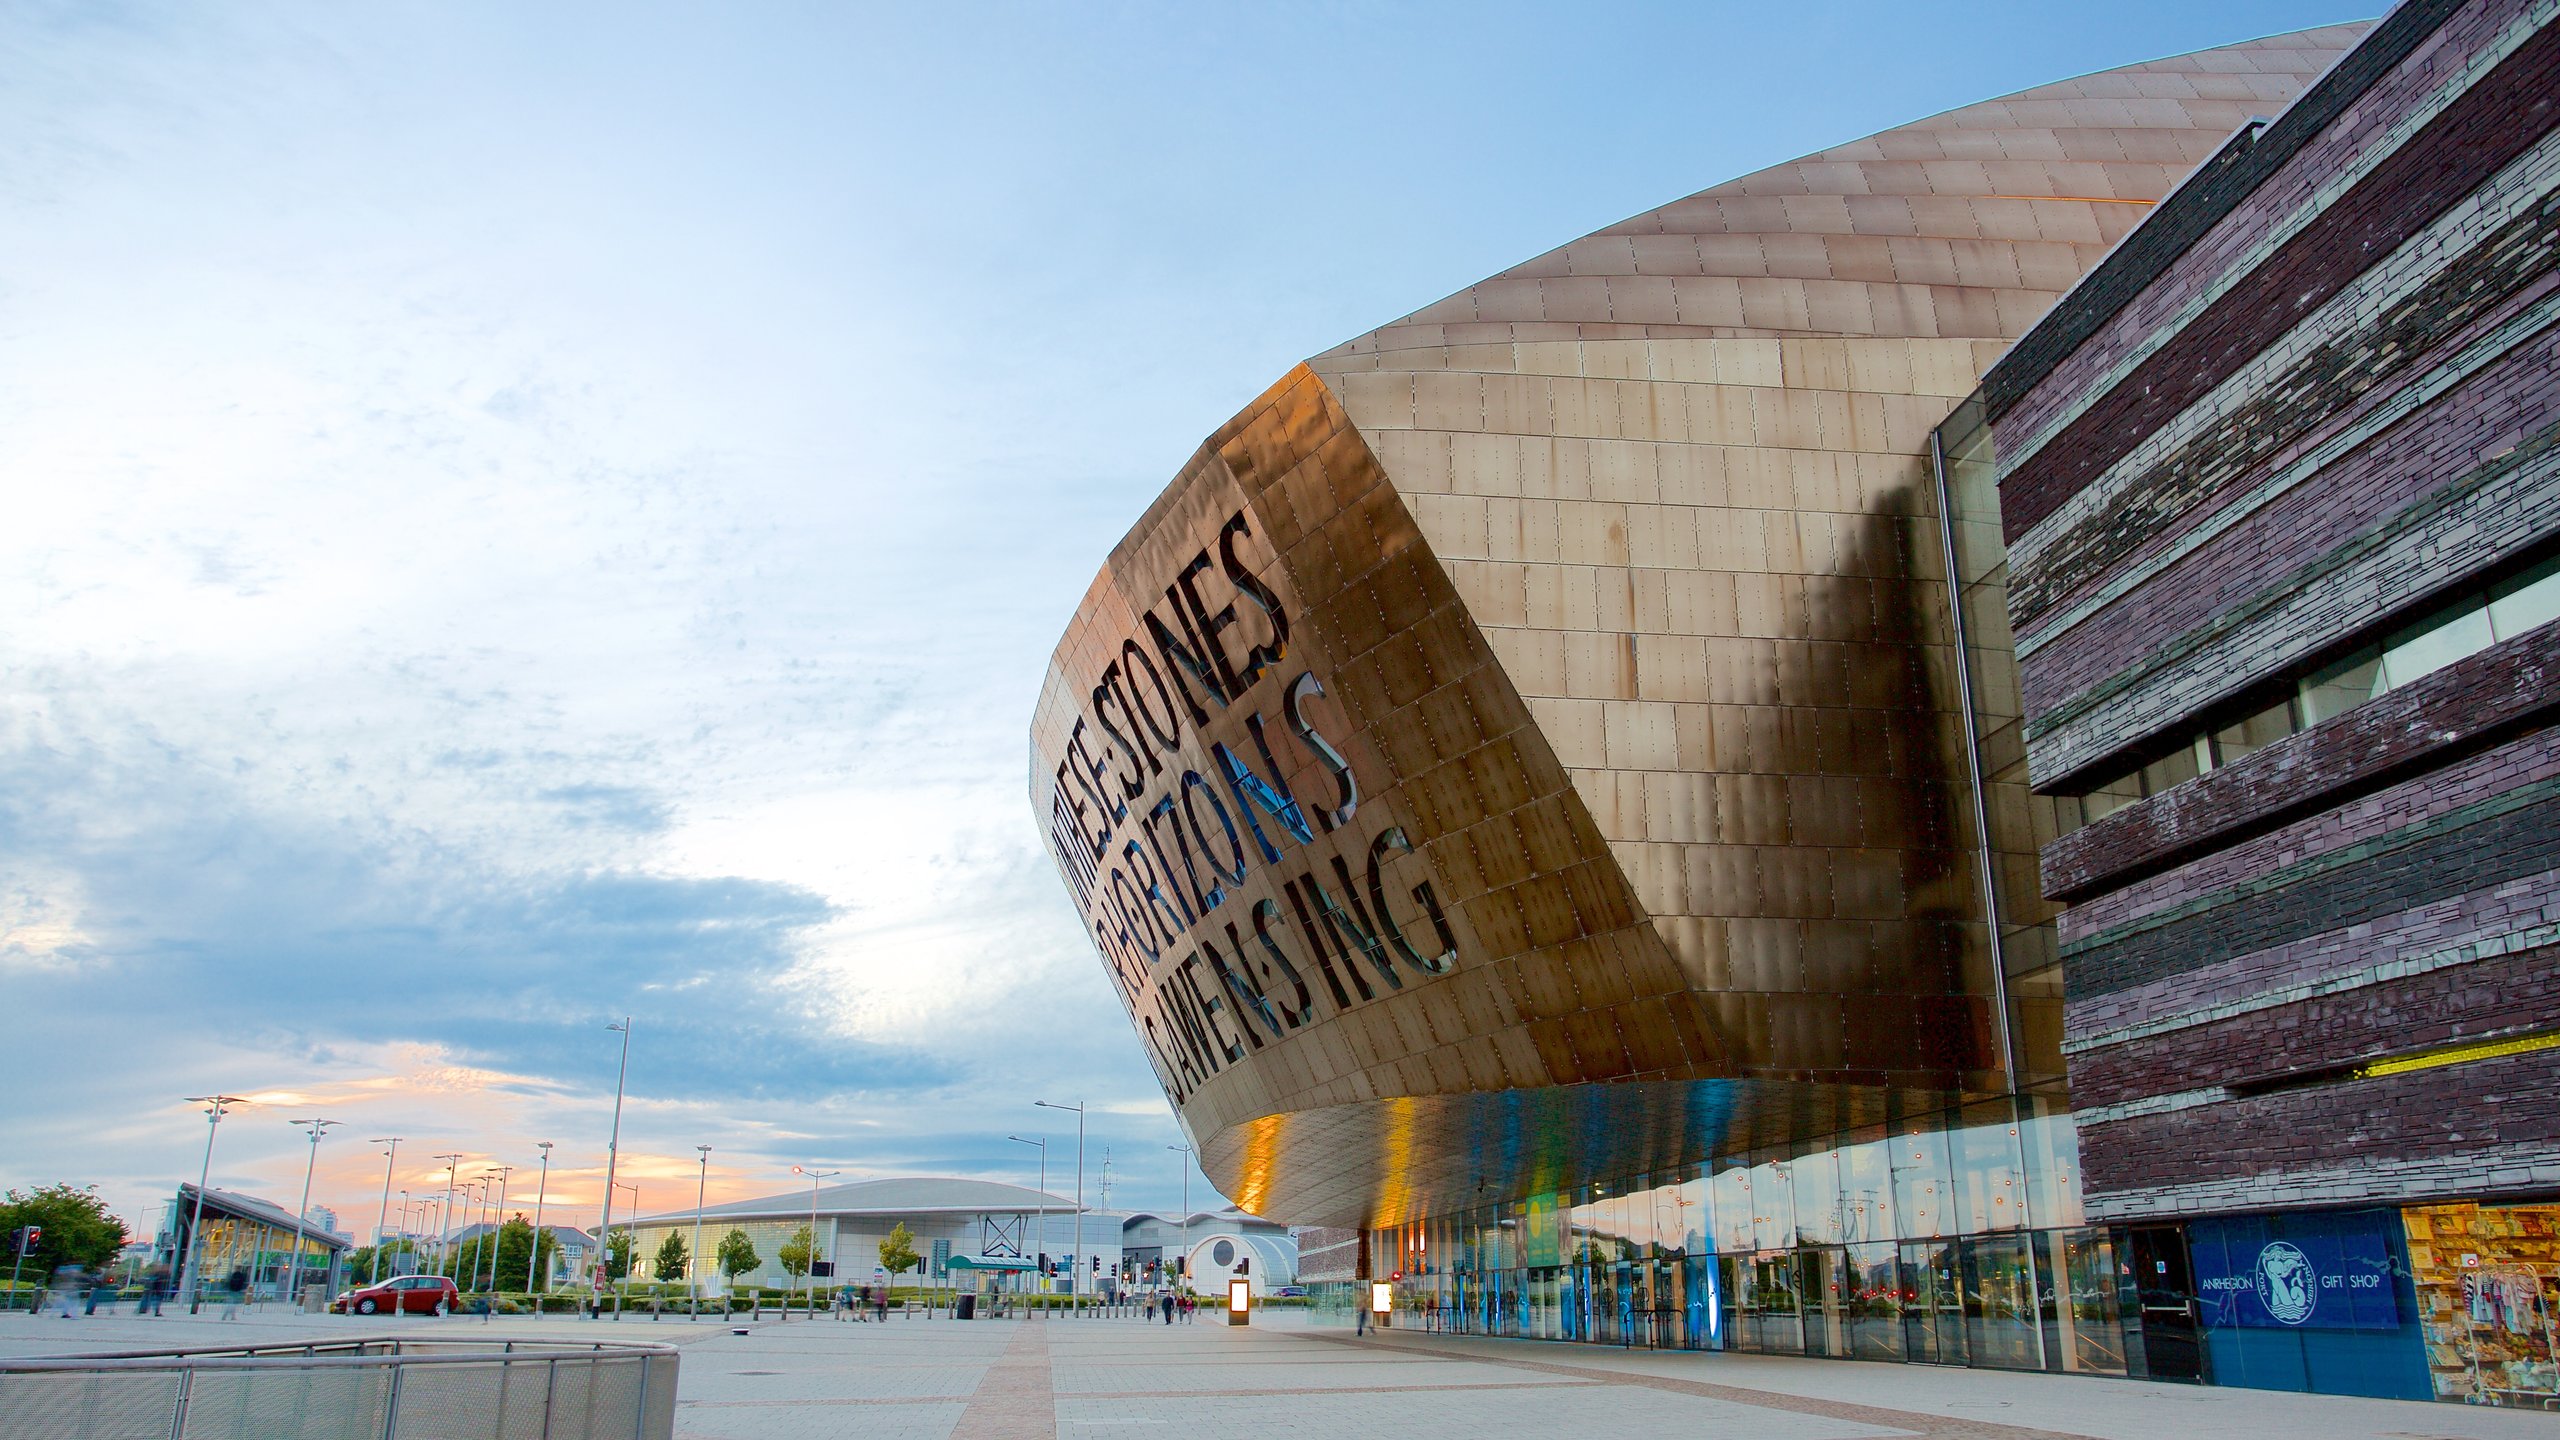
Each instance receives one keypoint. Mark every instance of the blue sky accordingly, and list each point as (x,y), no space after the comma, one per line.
(523,514)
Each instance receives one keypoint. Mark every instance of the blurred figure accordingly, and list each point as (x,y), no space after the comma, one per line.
(234,1287)
(67,1284)
(155,1288)
(102,1286)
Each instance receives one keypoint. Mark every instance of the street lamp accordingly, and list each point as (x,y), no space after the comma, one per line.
(1185,1152)
(383,1215)
(612,1155)
(539,1195)
(1075,1274)
(317,1128)
(701,1181)
(1040,1246)
(214,1107)
(814,1177)
(444,1212)
(497,1228)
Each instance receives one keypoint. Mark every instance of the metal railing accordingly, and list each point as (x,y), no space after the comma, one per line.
(380,1389)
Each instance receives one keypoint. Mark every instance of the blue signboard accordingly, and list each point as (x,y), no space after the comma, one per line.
(2321,1271)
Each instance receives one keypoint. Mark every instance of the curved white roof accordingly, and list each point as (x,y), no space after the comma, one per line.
(895,1195)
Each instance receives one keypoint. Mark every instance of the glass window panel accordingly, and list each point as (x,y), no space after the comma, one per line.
(1729,1206)
(2531,599)
(1875,1302)
(1866,1190)
(2000,1303)
(2255,733)
(1773,1218)
(2342,686)
(2091,1314)
(2051,1146)
(1820,1219)
(2434,644)
(1990,1178)
(2174,768)
(1920,1188)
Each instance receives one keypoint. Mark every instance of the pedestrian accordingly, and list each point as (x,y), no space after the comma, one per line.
(66,1286)
(1189,1306)
(234,1287)
(100,1288)
(1165,1300)
(155,1285)
(880,1304)
(1359,1310)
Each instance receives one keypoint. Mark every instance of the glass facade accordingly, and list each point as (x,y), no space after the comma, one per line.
(1952,1237)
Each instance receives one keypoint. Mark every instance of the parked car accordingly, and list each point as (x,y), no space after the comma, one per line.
(1292,1291)
(413,1294)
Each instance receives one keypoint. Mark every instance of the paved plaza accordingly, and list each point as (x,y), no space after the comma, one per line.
(1002,1380)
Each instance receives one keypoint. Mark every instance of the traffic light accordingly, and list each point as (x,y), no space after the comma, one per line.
(29,1238)
(1097,1264)
(1244,1264)
(1044,1264)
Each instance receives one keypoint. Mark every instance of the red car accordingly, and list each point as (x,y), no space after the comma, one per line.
(416,1294)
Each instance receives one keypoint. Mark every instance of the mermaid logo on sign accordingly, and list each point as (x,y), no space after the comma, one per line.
(2288,1287)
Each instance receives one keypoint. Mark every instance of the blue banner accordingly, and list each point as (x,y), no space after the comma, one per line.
(2329,1271)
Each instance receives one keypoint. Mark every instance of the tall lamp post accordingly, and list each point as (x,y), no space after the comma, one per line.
(383,1215)
(701,1182)
(1075,1269)
(497,1228)
(814,1177)
(444,1212)
(1039,1247)
(214,1108)
(539,1195)
(612,1155)
(1185,1152)
(285,1287)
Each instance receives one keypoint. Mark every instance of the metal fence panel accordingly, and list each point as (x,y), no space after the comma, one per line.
(89,1405)
(287,1402)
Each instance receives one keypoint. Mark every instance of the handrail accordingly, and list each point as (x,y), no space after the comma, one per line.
(399,1350)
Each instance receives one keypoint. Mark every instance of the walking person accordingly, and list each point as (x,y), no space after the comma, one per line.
(100,1288)
(1360,1310)
(1188,1306)
(234,1287)
(1165,1302)
(155,1285)
(66,1287)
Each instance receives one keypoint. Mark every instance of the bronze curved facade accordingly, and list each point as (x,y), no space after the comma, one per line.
(1527,743)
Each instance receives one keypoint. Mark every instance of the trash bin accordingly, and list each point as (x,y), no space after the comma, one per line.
(315,1299)
(967,1309)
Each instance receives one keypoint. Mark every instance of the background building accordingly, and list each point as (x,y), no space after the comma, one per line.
(2281,487)
(1148,1241)
(946,1216)
(241,1232)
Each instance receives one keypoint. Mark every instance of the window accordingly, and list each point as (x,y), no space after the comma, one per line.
(2459,630)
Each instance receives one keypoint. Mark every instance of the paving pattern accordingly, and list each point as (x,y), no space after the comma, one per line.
(939,1380)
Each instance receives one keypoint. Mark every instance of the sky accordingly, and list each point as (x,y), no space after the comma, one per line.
(520,515)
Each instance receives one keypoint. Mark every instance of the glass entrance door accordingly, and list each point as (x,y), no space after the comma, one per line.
(1933,1308)
(2171,1346)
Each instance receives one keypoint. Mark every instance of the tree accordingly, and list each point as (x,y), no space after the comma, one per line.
(898,1252)
(617,1255)
(795,1252)
(395,1256)
(737,1255)
(77,1228)
(671,1258)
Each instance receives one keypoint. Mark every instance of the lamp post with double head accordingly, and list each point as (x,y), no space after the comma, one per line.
(189,1261)
(383,1215)
(812,1272)
(286,1287)
(1039,1246)
(1075,1267)
(1186,1153)
(497,1228)
(539,1195)
(613,1154)
(444,1212)
(693,1271)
